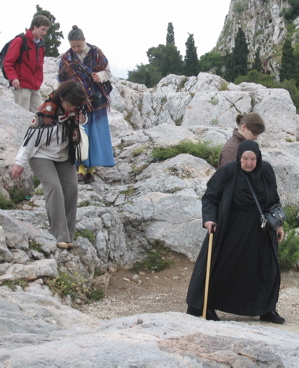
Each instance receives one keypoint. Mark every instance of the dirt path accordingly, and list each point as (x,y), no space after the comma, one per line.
(128,294)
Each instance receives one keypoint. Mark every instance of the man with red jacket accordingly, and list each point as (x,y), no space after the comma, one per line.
(26,74)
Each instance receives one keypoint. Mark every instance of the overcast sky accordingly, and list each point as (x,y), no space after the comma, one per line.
(124,29)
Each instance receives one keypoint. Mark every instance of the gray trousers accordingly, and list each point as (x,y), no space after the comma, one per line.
(60,185)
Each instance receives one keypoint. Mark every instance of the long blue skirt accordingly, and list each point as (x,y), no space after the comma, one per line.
(100,146)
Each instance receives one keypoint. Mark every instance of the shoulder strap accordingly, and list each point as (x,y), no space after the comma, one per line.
(254,196)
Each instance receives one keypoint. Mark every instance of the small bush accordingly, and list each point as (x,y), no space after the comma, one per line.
(96,295)
(5,204)
(33,245)
(39,191)
(288,249)
(17,195)
(12,284)
(36,182)
(67,284)
(86,233)
(155,260)
(198,149)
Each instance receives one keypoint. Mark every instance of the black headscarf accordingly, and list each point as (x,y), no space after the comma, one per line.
(249,145)
(242,189)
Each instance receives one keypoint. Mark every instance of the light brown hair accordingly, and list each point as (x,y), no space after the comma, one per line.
(252,121)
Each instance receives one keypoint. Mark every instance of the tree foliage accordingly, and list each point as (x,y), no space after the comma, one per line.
(209,61)
(53,36)
(257,64)
(292,12)
(170,35)
(145,74)
(167,59)
(191,58)
(236,62)
(288,63)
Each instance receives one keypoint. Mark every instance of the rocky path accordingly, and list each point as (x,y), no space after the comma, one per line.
(129,294)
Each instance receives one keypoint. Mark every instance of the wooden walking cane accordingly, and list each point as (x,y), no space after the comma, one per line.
(209,257)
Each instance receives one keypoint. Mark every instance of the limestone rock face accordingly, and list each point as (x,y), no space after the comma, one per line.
(264,27)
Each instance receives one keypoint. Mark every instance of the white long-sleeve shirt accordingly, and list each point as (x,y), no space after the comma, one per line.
(54,151)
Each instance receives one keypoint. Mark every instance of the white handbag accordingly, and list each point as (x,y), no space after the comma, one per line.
(82,153)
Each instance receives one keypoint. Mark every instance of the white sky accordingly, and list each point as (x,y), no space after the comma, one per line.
(124,29)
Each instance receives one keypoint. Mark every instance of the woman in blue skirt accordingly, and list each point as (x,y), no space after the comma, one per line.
(88,65)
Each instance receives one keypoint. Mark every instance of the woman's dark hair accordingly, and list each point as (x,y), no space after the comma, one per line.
(71,92)
(38,21)
(76,34)
(252,121)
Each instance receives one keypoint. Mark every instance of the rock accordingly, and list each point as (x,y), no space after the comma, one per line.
(37,331)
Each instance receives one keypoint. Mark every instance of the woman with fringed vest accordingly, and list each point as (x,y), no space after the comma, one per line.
(88,65)
(51,146)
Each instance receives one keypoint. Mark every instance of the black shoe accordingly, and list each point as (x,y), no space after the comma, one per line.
(212,316)
(89,178)
(80,177)
(194,311)
(273,317)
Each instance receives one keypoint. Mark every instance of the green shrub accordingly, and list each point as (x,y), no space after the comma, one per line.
(36,182)
(155,260)
(33,245)
(86,233)
(288,249)
(96,295)
(5,204)
(39,191)
(12,284)
(198,149)
(67,284)
(17,195)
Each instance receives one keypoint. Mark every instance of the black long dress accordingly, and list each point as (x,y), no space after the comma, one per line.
(244,276)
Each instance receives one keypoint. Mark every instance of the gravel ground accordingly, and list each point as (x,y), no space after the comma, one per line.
(128,293)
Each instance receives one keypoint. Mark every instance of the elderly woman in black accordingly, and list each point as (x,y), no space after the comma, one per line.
(244,277)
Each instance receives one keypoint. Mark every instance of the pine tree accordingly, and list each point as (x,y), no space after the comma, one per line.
(191,59)
(288,64)
(170,35)
(52,38)
(257,64)
(237,61)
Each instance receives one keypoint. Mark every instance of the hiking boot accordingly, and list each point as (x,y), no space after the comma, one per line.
(62,245)
(273,317)
(89,178)
(81,178)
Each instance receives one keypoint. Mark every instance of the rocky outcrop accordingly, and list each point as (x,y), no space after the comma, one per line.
(264,27)
(37,331)
(140,201)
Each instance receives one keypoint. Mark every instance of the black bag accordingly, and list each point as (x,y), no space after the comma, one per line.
(5,48)
(272,217)
(99,98)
